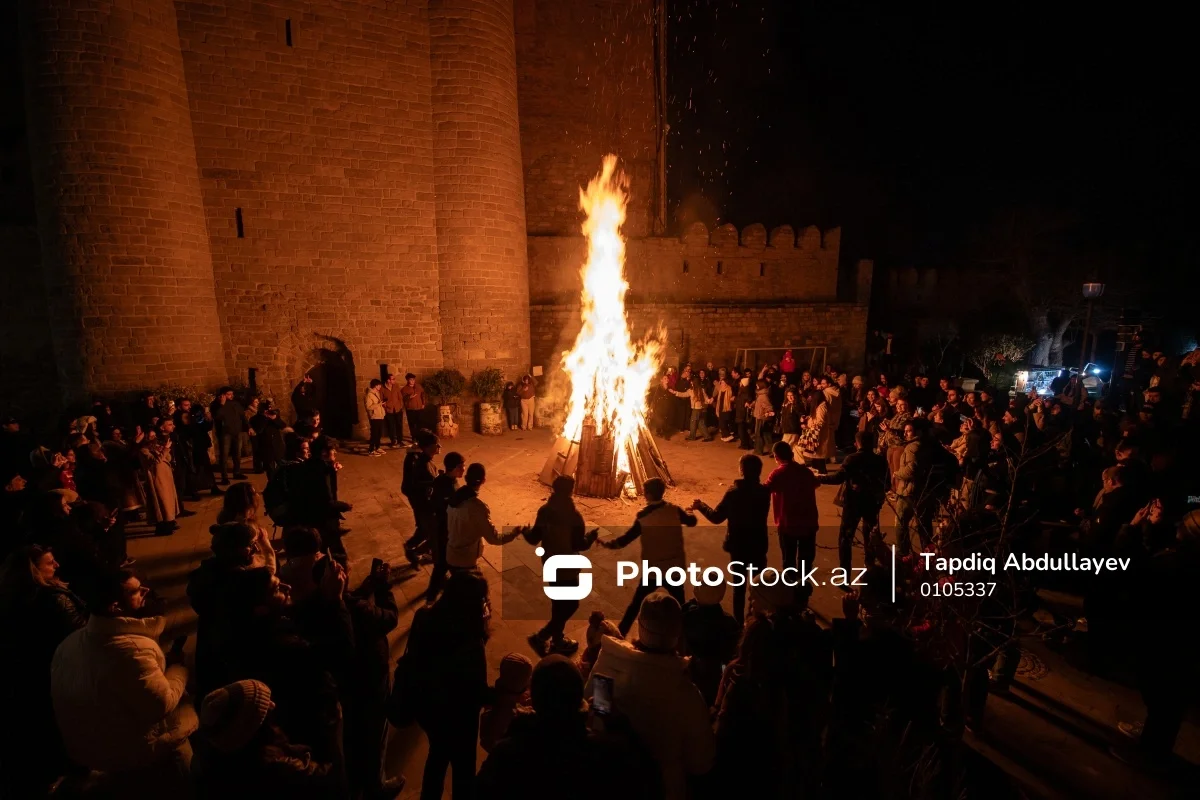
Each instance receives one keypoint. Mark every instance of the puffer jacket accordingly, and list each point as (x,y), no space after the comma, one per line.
(913,473)
(118,705)
(469,522)
(665,709)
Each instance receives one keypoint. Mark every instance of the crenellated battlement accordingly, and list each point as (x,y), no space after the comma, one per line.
(702,266)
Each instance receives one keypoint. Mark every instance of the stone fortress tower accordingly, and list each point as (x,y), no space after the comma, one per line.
(227,188)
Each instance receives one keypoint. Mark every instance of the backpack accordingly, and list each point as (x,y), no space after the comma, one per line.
(275,494)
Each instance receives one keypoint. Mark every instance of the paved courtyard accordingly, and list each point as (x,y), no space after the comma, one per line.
(382,520)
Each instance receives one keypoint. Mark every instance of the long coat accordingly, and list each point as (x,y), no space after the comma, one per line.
(820,445)
(163,500)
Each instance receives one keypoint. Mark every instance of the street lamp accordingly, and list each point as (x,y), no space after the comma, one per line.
(1091,291)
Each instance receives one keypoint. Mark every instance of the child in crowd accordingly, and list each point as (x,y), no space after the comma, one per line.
(511,699)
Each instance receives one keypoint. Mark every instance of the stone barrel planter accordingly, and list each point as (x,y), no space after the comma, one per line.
(491,419)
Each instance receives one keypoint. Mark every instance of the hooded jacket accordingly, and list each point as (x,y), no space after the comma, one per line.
(469,523)
(117,703)
(665,709)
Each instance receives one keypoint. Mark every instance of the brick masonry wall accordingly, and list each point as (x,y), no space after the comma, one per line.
(788,268)
(480,193)
(125,253)
(327,147)
(702,332)
(586,76)
(27,359)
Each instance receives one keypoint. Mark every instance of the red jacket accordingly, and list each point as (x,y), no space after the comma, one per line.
(794,499)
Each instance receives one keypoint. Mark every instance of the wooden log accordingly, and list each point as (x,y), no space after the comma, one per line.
(660,465)
(596,473)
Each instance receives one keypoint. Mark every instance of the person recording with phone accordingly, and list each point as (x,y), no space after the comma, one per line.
(118,698)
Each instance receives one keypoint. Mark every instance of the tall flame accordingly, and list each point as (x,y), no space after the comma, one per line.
(610,375)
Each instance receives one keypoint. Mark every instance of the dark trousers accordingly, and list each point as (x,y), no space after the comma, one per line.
(560,612)
(395,426)
(365,734)
(816,464)
(377,426)
(424,536)
(725,423)
(331,536)
(799,552)
(639,595)
(513,413)
(697,425)
(452,738)
(743,430)
(437,578)
(797,549)
(851,516)
(229,446)
(764,436)
(758,560)
(414,422)
(908,510)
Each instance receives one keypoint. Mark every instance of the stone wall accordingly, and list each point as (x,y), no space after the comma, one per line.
(124,250)
(700,267)
(586,88)
(29,382)
(326,146)
(478,182)
(701,332)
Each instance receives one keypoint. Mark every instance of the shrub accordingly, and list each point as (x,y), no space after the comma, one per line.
(487,384)
(445,385)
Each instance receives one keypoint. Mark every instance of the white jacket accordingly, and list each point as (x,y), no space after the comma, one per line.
(118,705)
(667,711)
(469,524)
(373,399)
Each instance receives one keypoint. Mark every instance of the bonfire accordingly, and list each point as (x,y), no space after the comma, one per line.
(605,442)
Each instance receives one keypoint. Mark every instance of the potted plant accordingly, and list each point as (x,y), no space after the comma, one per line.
(488,384)
(445,386)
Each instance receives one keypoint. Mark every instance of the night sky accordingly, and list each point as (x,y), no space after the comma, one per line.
(910,127)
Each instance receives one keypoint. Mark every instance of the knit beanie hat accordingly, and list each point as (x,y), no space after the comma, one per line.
(515,671)
(599,627)
(231,715)
(710,595)
(660,622)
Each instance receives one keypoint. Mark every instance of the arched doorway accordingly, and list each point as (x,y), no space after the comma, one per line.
(333,391)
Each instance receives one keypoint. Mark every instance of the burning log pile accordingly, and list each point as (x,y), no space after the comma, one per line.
(605,443)
(593,462)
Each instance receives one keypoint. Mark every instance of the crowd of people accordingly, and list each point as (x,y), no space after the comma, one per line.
(291,687)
